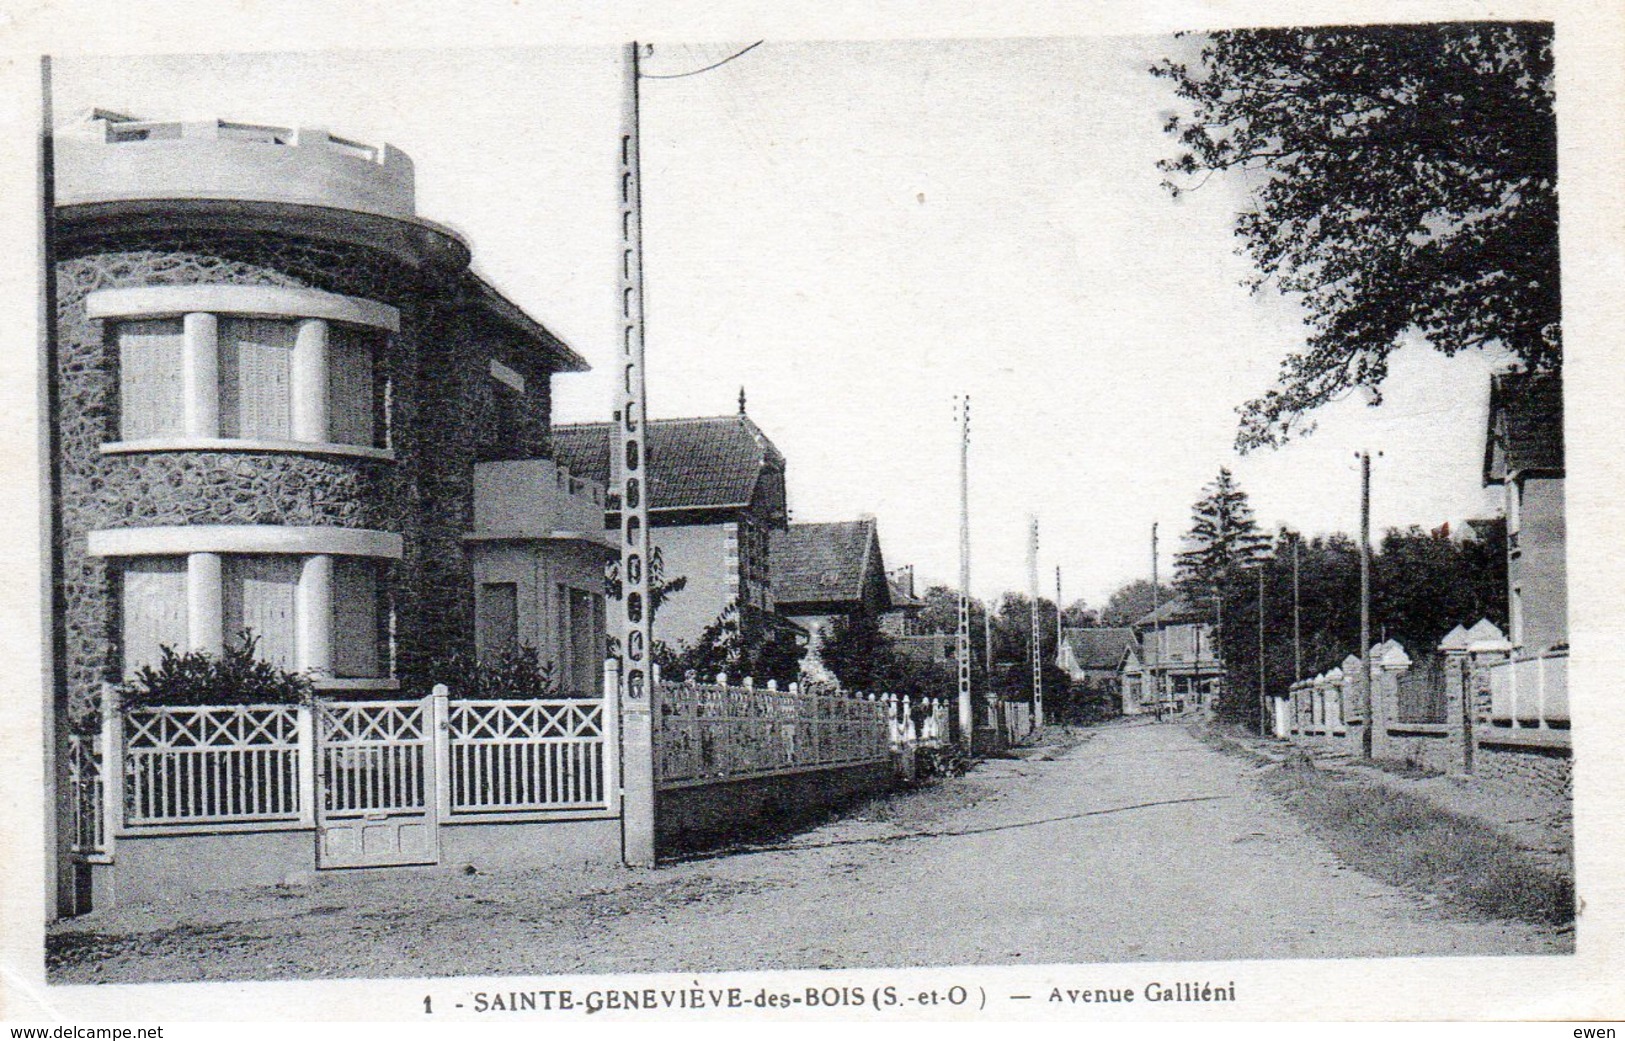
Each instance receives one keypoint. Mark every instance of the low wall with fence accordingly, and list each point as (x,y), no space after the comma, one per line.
(1471,707)
(735,760)
(262,793)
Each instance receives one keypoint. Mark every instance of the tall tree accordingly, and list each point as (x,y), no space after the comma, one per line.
(1223,537)
(1404,181)
(1134,601)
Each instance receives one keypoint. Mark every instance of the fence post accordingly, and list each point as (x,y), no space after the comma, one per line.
(612,734)
(1390,661)
(112,770)
(1458,715)
(305,738)
(440,729)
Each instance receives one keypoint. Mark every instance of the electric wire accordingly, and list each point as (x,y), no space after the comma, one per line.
(708,68)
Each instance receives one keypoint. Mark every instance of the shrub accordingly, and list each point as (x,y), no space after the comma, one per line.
(516,676)
(234,677)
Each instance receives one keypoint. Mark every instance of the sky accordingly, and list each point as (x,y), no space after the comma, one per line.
(857,232)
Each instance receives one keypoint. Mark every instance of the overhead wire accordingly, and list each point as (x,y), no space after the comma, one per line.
(708,68)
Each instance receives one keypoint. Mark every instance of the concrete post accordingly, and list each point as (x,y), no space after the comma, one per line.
(1389,662)
(200,375)
(440,735)
(305,728)
(307,382)
(205,620)
(313,616)
(612,734)
(112,768)
(1458,709)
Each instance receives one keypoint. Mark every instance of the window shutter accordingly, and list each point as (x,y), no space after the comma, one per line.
(259,598)
(355,618)
(349,400)
(154,609)
(150,379)
(256,366)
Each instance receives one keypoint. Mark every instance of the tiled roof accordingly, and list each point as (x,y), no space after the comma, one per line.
(1174,611)
(1098,648)
(693,463)
(1525,424)
(823,563)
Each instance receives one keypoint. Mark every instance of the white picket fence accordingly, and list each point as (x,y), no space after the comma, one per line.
(182,768)
(716,731)
(529,755)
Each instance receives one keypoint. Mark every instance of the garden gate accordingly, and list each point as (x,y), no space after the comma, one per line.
(375,766)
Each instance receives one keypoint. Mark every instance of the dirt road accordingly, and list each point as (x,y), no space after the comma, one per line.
(1140,843)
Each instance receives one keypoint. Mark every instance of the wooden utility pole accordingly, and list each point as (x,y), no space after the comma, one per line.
(1365,603)
(967,721)
(638,691)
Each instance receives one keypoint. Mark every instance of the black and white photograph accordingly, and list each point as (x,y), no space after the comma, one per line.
(970,525)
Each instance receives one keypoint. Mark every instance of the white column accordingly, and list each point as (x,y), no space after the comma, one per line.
(313,616)
(308,383)
(200,374)
(205,626)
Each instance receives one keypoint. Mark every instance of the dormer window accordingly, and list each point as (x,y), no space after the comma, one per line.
(247,368)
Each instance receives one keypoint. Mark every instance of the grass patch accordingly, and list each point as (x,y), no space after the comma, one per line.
(1405,840)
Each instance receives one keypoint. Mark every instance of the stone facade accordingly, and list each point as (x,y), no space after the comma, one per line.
(443,412)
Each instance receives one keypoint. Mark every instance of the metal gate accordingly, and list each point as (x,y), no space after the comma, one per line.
(375,770)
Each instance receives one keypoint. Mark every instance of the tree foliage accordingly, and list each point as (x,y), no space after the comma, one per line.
(1132,602)
(1223,538)
(763,652)
(1423,584)
(1404,181)
(864,658)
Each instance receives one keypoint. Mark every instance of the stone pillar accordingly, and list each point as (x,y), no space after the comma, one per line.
(307,383)
(313,616)
(1458,707)
(205,620)
(1388,663)
(200,375)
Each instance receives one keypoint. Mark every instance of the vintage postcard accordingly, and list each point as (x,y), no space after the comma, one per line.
(1102,516)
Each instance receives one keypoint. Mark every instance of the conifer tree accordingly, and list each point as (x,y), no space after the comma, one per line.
(1223,538)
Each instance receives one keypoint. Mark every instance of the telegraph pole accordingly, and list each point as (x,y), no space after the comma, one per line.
(1038,644)
(638,691)
(1297,615)
(1156,621)
(1263,698)
(1365,602)
(967,720)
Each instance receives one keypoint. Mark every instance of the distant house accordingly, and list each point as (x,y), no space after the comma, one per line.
(1094,655)
(825,572)
(716,499)
(1523,453)
(1093,658)
(901,622)
(1177,659)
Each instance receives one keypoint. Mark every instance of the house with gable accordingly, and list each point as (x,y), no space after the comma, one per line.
(1177,658)
(1523,454)
(828,571)
(716,499)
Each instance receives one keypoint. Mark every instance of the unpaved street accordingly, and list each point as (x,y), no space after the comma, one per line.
(1140,843)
